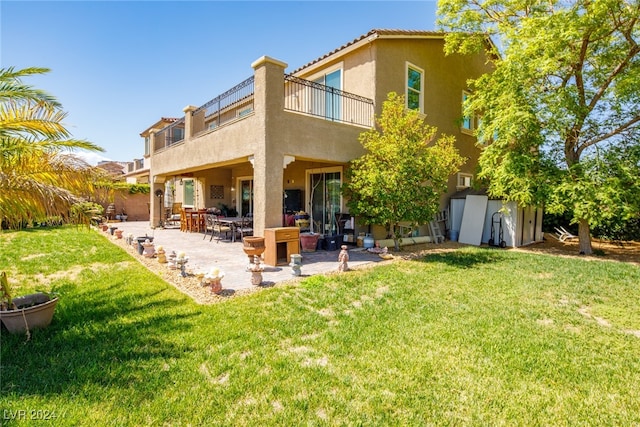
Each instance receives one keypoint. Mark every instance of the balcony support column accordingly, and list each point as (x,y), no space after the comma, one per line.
(268,159)
(188,121)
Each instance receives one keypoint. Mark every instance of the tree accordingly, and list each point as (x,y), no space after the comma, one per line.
(404,172)
(565,90)
(39,177)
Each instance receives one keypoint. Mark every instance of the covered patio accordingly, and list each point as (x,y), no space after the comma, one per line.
(229,257)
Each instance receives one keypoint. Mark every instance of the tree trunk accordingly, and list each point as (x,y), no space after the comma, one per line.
(584,237)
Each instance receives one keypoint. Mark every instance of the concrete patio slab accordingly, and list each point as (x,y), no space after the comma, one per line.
(204,254)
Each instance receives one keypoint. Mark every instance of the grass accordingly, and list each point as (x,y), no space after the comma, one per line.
(473,337)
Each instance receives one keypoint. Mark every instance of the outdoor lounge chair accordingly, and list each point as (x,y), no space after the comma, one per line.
(563,234)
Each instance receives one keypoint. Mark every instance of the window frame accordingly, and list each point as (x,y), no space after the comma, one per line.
(461,183)
(407,88)
(471,119)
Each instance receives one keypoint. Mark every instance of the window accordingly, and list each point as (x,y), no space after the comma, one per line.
(467,121)
(464,180)
(245,111)
(415,88)
(146,146)
(481,139)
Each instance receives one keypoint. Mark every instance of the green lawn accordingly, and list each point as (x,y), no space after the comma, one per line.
(473,337)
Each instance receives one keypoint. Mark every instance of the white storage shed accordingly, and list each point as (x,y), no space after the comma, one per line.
(474,218)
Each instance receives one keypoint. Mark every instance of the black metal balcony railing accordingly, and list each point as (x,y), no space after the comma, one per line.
(315,99)
(225,107)
(301,96)
(170,135)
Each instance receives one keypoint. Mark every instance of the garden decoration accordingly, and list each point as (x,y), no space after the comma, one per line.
(252,246)
(213,279)
(256,270)
(162,257)
(343,259)
(149,249)
(181,260)
(172,260)
(296,264)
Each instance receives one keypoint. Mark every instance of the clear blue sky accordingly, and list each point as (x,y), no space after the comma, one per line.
(118,66)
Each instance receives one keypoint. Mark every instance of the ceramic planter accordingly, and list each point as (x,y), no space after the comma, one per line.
(253,246)
(309,241)
(34,311)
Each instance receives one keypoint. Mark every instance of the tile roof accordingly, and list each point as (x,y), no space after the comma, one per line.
(377,33)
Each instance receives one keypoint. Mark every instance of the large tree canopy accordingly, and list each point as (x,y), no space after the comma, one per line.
(403,173)
(39,175)
(565,91)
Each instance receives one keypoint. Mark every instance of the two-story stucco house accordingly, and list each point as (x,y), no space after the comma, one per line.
(293,134)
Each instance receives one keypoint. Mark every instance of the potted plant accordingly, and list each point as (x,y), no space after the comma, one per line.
(21,314)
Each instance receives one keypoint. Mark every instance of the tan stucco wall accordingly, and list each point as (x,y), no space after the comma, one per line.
(269,133)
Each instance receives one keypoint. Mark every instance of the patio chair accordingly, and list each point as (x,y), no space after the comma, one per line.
(184,219)
(209,225)
(173,214)
(563,234)
(217,227)
(245,227)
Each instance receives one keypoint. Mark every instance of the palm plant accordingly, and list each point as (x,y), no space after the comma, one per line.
(40,176)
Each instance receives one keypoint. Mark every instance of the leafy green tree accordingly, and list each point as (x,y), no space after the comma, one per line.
(403,173)
(39,176)
(565,90)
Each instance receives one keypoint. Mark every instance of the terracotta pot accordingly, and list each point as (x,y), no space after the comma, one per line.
(309,241)
(253,245)
(34,311)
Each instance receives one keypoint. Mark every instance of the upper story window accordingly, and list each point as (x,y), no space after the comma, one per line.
(415,88)
(146,146)
(464,181)
(467,121)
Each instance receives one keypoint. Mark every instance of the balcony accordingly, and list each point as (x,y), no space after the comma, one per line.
(136,165)
(300,96)
(314,99)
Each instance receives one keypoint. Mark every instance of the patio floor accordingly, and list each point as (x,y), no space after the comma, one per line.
(230,258)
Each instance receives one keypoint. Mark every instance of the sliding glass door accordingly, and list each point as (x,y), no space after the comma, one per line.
(246,197)
(325,199)
(329,104)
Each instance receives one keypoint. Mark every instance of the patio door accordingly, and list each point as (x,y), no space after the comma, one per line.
(246,196)
(328,104)
(188,195)
(325,199)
